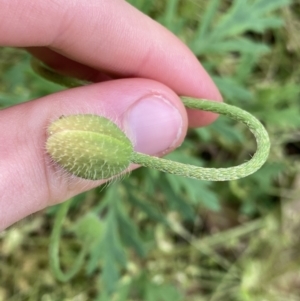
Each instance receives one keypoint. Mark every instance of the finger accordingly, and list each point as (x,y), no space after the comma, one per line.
(151,114)
(110,36)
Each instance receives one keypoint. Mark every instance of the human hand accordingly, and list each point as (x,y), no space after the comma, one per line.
(138,68)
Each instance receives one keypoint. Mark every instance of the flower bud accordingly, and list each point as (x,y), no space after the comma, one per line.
(89,146)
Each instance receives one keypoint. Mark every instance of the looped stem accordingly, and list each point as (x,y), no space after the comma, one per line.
(54,247)
(215,174)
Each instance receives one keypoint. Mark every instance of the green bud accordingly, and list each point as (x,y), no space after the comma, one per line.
(89,146)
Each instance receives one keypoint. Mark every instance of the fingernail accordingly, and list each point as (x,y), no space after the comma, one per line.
(153,124)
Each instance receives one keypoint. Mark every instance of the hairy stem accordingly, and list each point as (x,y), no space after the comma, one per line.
(215,174)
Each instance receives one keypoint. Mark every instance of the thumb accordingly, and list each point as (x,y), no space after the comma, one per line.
(151,115)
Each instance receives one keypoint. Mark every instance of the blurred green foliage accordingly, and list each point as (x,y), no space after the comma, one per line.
(158,237)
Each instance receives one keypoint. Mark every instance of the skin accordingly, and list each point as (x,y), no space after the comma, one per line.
(138,68)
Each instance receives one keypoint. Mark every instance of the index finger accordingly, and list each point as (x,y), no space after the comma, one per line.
(110,36)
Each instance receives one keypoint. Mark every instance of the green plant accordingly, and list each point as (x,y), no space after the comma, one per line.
(177,237)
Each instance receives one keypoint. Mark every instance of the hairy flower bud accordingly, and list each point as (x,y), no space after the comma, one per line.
(89,146)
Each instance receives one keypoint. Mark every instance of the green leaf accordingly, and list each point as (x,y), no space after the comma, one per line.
(264,6)
(129,232)
(204,134)
(174,200)
(179,204)
(197,192)
(232,90)
(244,15)
(110,243)
(246,65)
(111,240)
(123,291)
(148,208)
(110,273)
(114,256)
(224,128)
(164,292)
(242,45)
(264,178)
(170,19)
(285,118)
(206,20)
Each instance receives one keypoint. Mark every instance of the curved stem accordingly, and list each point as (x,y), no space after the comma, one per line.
(215,174)
(54,247)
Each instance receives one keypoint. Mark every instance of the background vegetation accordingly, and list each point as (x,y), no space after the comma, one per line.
(157,237)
